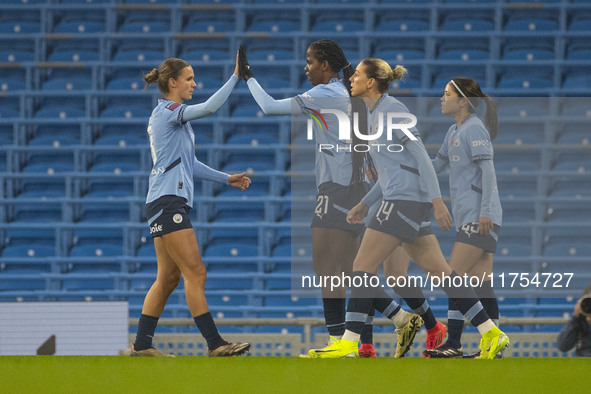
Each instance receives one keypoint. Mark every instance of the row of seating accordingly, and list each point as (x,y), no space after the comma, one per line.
(297,17)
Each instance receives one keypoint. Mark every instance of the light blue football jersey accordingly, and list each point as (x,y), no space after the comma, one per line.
(172,144)
(334,165)
(462,148)
(398,172)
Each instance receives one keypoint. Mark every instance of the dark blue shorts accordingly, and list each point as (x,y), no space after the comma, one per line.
(333,203)
(468,234)
(168,214)
(403,219)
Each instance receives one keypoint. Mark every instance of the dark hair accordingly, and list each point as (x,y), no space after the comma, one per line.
(331,52)
(473,93)
(381,71)
(170,68)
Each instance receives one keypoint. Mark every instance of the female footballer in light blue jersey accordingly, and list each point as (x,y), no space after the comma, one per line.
(408,187)
(170,197)
(341,182)
(476,207)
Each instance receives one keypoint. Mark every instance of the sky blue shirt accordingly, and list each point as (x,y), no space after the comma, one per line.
(331,165)
(172,143)
(462,149)
(400,176)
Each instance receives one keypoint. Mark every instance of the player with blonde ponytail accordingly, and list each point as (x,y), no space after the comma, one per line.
(409,191)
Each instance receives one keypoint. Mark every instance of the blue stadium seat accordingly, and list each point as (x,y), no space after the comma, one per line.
(231,251)
(343,26)
(126,112)
(67,84)
(146,27)
(509,188)
(524,82)
(574,136)
(463,55)
(466,24)
(233,235)
(519,134)
(516,163)
(233,212)
(80,26)
(577,81)
(28,251)
(106,212)
(109,188)
(122,140)
(40,213)
(210,26)
(275,26)
(60,112)
(582,24)
(569,188)
(576,160)
(15,27)
(249,111)
(402,25)
(528,54)
(254,139)
(46,188)
(531,24)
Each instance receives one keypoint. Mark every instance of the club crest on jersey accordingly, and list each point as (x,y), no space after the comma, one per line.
(173,106)
(177,218)
(470,228)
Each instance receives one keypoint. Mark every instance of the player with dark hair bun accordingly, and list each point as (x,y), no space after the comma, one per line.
(169,200)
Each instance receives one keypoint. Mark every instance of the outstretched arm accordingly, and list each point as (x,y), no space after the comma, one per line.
(268,104)
(212,104)
(203,171)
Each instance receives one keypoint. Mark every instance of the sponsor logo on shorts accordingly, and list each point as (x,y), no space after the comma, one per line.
(470,228)
(177,218)
(156,228)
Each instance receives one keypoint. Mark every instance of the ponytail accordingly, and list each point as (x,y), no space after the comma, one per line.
(470,90)
(490,117)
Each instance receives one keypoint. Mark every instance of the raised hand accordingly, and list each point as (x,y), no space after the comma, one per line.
(243,66)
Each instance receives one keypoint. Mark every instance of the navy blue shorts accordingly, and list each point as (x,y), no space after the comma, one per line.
(333,203)
(403,219)
(168,214)
(468,234)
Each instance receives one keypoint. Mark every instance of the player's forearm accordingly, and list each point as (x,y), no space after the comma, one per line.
(207,173)
(439,163)
(488,185)
(212,104)
(268,104)
(374,195)
(428,177)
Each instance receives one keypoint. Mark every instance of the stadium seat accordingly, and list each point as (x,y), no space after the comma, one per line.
(344,26)
(467,25)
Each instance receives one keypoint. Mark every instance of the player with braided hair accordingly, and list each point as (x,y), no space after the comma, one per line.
(340,180)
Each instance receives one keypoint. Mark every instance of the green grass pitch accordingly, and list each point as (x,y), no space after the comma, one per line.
(70,374)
